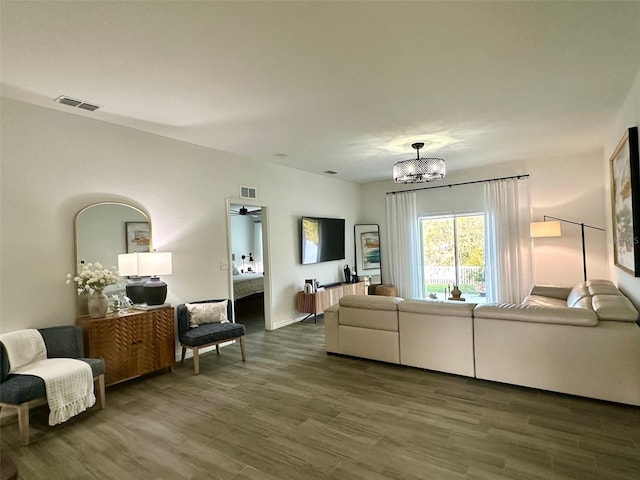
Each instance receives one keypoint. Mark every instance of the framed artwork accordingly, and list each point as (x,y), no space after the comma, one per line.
(625,203)
(370,244)
(367,246)
(137,236)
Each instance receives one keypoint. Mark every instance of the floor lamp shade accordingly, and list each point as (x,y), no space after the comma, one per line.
(154,264)
(128,267)
(553,229)
(545,229)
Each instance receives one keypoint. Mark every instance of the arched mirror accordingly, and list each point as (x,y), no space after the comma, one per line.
(105,230)
(367,246)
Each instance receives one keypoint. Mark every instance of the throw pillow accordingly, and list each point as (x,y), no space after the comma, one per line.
(235,269)
(213,312)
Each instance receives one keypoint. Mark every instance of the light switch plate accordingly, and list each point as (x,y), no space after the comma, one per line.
(224,265)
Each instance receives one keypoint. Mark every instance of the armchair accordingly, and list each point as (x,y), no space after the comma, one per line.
(17,391)
(206,335)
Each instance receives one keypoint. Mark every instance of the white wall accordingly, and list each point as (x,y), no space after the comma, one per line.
(628,116)
(569,187)
(56,163)
(242,237)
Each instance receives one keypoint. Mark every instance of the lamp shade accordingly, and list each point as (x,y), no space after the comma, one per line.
(545,229)
(154,264)
(128,264)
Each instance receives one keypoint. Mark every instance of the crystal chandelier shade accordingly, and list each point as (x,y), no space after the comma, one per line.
(419,170)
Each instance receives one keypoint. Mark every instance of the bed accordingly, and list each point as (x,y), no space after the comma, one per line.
(247,284)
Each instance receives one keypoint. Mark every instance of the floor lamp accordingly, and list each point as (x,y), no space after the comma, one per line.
(553,229)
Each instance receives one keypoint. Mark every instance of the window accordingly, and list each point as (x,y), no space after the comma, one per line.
(453,254)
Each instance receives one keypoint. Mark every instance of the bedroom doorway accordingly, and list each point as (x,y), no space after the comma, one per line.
(247,235)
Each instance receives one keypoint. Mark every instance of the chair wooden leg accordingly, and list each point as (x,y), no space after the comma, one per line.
(184,352)
(218,349)
(23,422)
(196,360)
(102,398)
(244,357)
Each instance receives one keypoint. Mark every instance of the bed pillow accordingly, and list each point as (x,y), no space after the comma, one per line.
(235,269)
(200,313)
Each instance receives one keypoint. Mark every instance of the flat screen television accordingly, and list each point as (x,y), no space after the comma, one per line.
(322,239)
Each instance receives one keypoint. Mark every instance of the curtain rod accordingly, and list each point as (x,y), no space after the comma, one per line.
(458,184)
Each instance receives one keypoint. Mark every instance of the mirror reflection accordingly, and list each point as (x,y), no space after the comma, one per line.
(367,249)
(104,230)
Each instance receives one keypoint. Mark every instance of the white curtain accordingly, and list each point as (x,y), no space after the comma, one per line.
(404,246)
(257,245)
(507,242)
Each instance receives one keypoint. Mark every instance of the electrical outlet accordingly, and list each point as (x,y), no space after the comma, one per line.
(224,265)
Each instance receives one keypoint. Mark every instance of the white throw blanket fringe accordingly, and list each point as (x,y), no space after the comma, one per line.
(69,382)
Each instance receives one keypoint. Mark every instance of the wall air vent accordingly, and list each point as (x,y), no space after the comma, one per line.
(248,192)
(73,102)
(330,172)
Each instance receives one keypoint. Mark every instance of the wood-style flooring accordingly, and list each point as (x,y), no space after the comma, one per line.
(293,412)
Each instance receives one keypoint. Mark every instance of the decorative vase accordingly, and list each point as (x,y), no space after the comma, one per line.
(347,274)
(98,304)
(456,293)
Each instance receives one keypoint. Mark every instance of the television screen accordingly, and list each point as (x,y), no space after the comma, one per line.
(322,239)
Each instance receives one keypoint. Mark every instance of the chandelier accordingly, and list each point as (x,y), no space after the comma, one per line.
(419,170)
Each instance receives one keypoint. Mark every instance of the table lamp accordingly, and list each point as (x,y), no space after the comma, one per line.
(128,267)
(154,264)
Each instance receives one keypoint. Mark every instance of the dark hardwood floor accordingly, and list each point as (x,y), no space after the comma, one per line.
(293,412)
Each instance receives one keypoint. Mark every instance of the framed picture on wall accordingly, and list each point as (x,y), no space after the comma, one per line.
(625,203)
(367,250)
(137,237)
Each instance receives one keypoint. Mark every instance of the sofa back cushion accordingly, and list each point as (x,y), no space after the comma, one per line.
(366,318)
(614,307)
(438,307)
(538,314)
(370,302)
(576,294)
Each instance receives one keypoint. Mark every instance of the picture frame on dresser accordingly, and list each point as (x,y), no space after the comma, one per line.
(625,203)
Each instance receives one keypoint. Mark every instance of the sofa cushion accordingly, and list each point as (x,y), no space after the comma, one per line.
(577,293)
(368,318)
(537,313)
(438,307)
(552,291)
(604,290)
(370,302)
(597,281)
(614,307)
(544,301)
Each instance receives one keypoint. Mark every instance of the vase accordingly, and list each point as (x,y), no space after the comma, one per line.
(98,304)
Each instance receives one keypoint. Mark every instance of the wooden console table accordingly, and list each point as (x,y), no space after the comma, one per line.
(315,303)
(131,343)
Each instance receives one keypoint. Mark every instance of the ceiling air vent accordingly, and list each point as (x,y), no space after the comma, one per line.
(73,102)
(248,192)
(330,172)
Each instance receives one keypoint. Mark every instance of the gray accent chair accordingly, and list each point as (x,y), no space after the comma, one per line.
(208,334)
(17,391)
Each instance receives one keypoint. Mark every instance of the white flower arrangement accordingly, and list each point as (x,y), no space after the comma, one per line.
(93,277)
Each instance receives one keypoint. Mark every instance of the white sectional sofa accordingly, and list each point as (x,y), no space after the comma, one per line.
(581,340)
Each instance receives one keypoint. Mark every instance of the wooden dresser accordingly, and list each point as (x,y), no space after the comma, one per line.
(131,343)
(315,303)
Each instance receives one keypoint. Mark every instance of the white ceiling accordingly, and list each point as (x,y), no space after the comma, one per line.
(344,86)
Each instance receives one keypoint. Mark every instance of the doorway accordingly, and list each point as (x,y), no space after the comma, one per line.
(247,266)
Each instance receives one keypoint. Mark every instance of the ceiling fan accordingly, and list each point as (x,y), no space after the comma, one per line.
(245,211)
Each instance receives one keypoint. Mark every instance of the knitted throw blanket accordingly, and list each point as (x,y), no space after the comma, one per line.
(69,382)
